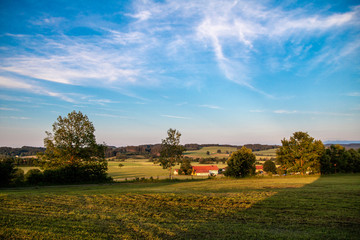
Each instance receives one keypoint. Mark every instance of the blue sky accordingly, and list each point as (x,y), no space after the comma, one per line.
(229,72)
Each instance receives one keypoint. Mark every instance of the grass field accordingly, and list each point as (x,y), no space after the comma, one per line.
(137,168)
(201,153)
(266,153)
(309,207)
(141,168)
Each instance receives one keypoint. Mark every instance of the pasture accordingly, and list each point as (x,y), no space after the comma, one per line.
(266,153)
(310,207)
(225,153)
(202,153)
(134,168)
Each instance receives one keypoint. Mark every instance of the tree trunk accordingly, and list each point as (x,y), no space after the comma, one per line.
(170,173)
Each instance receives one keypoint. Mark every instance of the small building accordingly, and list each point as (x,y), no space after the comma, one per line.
(205,170)
(176,171)
(259,169)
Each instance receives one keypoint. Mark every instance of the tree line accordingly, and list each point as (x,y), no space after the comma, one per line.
(72,155)
(23,151)
(300,154)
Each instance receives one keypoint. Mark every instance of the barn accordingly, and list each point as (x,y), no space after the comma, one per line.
(205,170)
(259,169)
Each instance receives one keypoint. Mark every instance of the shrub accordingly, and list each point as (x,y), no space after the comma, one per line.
(76,174)
(34,176)
(241,163)
(269,166)
(18,176)
(7,170)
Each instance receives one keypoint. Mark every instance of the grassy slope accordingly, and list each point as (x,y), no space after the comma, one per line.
(136,168)
(201,153)
(267,153)
(264,208)
(141,168)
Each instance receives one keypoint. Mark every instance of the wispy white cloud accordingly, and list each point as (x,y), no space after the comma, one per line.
(285,111)
(210,106)
(102,101)
(141,16)
(176,117)
(14,117)
(243,24)
(111,116)
(13,83)
(232,30)
(353,94)
(182,104)
(8,109)
(312,113)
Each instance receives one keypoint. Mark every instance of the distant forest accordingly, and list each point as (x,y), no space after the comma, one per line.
(21,152)
(154,150)
(145,150)
(151,150)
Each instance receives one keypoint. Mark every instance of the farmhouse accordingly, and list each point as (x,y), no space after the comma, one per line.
(259,169)
(204,170)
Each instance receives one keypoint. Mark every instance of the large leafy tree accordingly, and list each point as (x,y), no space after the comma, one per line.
(171,150)
(300,153)
(269,166)
(337,159)
(72,143)
(185,167)
(7,171)
(241,163)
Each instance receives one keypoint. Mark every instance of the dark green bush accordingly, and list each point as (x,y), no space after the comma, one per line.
(269,166)
(76,174)
(18,176)
(7,170)
(34,176)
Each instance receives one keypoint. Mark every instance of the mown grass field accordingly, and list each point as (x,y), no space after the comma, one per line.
(142,168)
(201,153)
(309,207)
(266,153)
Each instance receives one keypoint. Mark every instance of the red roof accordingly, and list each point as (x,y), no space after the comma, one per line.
(259,167)
(204,169)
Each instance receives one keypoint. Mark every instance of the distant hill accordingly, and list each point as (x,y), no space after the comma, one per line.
(21,152)
(341,142)
(345,145)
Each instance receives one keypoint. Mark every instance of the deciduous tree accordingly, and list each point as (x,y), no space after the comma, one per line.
(72,142)
(185,167)
(300,153)
(241,163)
(171,150)
(269,166)
(71,149)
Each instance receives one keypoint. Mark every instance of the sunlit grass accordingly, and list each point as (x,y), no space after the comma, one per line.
(133,168)
(255,208)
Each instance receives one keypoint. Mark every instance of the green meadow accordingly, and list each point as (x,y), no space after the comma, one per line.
(133,168)
(310,207)
(265,153)
(202,153)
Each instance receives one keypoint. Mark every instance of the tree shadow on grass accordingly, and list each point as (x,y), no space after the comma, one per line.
(328,208)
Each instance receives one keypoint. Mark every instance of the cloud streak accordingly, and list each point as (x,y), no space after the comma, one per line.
(176,117)
(210,106)
(134,56)
(13,83)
